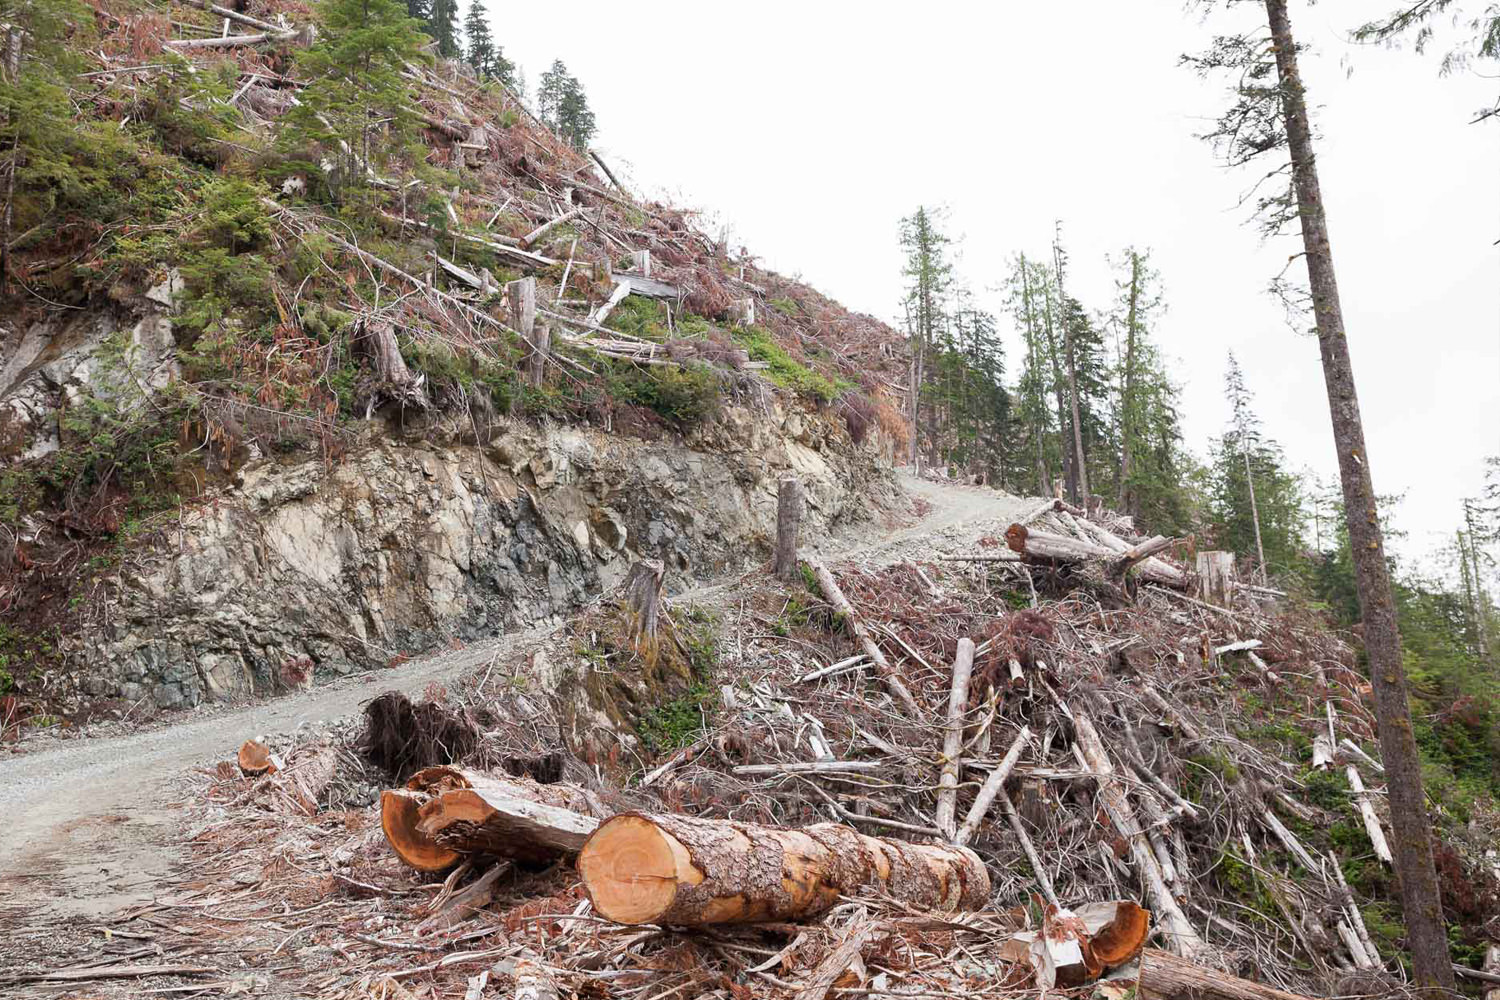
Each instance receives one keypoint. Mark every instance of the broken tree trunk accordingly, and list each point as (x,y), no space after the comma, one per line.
(643,598)
(888,674)
(546,227)
(993,785)
(1063,549)
(953,740)
(302,36)
(1216,577)
(1167,977)
(788,521)
(1180,935)
(679,870)
(376,337)
(447,812)
(1074,948)
(1367,813)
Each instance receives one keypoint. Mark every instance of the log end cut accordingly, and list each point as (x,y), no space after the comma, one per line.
(1015,537)
(1123,937)
(255,758)
(632,868)
(400,814)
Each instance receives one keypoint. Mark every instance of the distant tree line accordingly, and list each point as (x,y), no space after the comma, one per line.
(560,100)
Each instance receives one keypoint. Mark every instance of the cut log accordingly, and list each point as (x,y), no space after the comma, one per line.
(240,41)
(446,812)
(678,870)
(1165,976)
(1041,545)
(888,674)
(1075,947)
(643,586)
(256,758)
(1175,927)
(1216,577)
(1139,553)
(953,739)
(400,811)
(598,316)
(788,521)
(297,787)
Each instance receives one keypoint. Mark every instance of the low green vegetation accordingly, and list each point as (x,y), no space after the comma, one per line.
(785,371)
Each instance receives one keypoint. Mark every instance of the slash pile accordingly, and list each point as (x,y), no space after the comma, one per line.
(1095,791)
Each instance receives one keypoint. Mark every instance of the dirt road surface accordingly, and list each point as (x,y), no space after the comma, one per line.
(90,826)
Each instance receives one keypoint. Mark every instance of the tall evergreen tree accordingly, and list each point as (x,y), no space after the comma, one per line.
(575,119)
(442,25)
(419,10)
(1479,22)
(1078,483)
(1026,290)
(1269,115)
(1256,502)
(355,86)
(482,51)
(549,92)
(929,274)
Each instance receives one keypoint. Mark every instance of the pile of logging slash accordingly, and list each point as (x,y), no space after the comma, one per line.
(948,778)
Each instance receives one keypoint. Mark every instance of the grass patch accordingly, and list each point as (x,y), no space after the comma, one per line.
(784,370)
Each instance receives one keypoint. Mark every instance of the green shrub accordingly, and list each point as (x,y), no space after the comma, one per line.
(684,397)
(785,371)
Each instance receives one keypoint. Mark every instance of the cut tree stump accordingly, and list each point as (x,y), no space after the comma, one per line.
(679,870)
(1216,577)
(788,522)
(447,812)
(643,585)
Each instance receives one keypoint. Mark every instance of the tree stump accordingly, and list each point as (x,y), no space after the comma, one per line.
(788,522)
(643,598)
(1216,577)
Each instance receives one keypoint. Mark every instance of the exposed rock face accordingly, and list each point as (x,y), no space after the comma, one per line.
(403,546)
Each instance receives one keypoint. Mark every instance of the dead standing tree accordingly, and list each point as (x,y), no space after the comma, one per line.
(1270,114)
(788,521)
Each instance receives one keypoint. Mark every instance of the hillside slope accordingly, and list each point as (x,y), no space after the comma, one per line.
(229,327)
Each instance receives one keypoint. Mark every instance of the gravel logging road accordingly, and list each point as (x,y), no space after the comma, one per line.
(91,824)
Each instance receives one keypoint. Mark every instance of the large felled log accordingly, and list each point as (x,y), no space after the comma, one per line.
(680,870)
(888,675)
(1063,549)
(445,813)
(1165,976)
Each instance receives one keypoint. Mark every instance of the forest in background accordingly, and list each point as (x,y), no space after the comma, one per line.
(1088,413)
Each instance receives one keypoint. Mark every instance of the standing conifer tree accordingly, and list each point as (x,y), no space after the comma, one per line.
(1270,114)
(929,275)
(482,52)
(442,25)
(356,86)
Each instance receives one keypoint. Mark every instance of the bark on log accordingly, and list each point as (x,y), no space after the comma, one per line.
(788,521)
(1216,577)
(298,786)
(1063,549)
(1165,976)
(953,739)
(446,812)
(548,226)
(680,870)
(888,674)
(643,598)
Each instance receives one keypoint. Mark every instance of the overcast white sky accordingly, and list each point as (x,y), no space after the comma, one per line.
(811,128)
